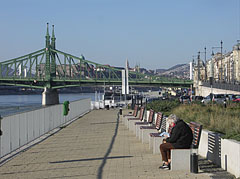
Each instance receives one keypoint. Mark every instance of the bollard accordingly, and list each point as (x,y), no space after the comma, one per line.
(133,103)
(120,111)
(194,163)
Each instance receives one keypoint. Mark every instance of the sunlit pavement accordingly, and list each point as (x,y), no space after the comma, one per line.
(97,145)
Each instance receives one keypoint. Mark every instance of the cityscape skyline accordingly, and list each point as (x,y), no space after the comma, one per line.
(153,35)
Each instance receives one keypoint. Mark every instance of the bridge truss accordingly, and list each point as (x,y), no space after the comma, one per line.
(55,69)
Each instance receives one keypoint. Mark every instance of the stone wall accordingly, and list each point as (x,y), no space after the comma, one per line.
(223,152)
(205,91)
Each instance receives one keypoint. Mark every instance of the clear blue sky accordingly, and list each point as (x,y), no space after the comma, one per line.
(152,33)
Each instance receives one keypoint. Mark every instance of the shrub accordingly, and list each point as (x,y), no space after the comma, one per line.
(213,117)
(164,106)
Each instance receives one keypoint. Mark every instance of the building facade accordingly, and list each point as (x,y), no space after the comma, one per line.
(224,68)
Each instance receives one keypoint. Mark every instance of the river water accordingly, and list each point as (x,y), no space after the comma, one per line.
(12,104)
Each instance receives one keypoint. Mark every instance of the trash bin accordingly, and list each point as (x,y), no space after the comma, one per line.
(120,111)
(66,108)
(107,107)
(194,163)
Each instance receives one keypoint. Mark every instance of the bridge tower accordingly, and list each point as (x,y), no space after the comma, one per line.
(50,96)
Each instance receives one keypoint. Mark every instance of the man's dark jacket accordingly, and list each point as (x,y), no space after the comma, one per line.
(181,136)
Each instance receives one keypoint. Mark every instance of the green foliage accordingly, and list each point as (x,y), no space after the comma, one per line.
(213,117)
(164,106)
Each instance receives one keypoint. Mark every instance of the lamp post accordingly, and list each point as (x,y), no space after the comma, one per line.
(221,47)
(205,55)
(212,73)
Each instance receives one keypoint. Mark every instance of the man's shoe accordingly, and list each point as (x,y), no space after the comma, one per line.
(164,167)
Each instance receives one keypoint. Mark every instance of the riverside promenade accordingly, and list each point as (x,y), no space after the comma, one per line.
(96,145)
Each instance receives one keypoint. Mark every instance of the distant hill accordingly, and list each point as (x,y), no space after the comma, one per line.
(180,71)
(160,70)
(177,66)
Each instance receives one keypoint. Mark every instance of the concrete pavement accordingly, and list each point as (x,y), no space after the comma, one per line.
(96,145)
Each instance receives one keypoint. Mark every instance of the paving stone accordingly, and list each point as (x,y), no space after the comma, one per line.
(96,145)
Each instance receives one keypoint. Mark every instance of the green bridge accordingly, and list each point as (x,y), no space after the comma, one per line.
(51,69)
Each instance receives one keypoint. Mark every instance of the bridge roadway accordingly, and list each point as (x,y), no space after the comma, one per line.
(94,146)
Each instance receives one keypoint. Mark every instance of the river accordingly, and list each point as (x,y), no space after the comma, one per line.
(12,104)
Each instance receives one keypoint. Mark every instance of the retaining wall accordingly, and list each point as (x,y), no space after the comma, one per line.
(205,91)
(20,129)
(223,152)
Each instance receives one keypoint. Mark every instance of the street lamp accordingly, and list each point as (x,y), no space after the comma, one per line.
(212,67)
(221,47)
(211,78)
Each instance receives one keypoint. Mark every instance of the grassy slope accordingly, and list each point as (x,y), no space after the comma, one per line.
(212,117)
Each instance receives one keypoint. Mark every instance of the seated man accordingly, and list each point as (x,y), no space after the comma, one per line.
(180,138)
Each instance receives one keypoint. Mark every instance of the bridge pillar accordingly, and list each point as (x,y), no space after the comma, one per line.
(50,97)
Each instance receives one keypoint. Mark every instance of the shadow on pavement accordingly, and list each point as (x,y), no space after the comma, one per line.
(102,123)
(90,159)
(100,169)
(207,166)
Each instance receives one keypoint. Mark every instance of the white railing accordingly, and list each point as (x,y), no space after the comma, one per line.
(20,129)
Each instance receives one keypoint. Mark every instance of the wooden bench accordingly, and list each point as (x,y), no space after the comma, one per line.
(180,158)
(196,130)
(134,115)
(135,111)
(130,114)
(149,121)
(132,120)
(156,134)
(156,139)
(146,130)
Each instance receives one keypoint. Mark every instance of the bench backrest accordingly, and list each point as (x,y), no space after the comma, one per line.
(159,120)
(135,111)
(169,129)
(141,113)
(196,130)
(150,117)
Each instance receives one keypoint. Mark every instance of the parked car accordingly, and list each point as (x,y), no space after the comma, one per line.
(230,97)
(197,98)
(207,99)
(218,98)
(236,98)
(184,99)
